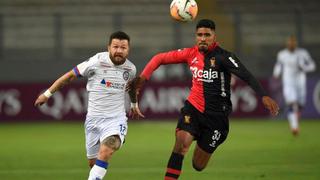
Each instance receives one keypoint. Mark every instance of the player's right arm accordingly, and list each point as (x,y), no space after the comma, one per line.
(57,85)
(170,57)
(277,68)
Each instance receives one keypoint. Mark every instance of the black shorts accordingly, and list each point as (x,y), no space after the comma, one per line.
(209,130)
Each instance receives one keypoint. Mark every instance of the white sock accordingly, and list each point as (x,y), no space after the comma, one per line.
(293,120)
(97,173)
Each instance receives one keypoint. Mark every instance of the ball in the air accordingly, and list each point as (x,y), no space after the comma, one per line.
(184,10)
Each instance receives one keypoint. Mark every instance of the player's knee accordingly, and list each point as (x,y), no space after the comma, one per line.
(198,167)
(181,148)
(91,162)
(113,142)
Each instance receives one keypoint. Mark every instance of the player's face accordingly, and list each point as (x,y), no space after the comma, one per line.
(291,43)
(204,38)
(118,51)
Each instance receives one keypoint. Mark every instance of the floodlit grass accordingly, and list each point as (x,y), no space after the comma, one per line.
(255,149)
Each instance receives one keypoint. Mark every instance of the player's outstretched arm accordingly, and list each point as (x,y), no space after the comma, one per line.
(135,112)
(58,84)
(271,105)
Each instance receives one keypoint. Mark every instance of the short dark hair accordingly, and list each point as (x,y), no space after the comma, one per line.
(206,23)
(119,35)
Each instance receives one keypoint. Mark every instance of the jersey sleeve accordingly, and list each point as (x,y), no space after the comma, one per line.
(234,66)
(133,72)
(277,67)
(306,63)
(171,57)
(82,69)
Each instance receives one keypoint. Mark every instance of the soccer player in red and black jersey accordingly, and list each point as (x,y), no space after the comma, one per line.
(204,117)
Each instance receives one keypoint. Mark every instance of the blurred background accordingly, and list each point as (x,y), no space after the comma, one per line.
(42,39)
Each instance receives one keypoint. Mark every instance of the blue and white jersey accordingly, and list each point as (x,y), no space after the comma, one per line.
(106,84)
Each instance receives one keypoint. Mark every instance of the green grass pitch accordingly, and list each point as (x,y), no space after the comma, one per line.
(254,149)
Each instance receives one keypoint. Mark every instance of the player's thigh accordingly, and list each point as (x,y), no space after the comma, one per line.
(116,127)
(302,96)
(112,142)
(187,128)
(92,136)
(183,141)
(214,131)
(290,94)
(108,146)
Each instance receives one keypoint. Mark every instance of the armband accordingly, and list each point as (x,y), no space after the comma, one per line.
(47,93)
(134,105)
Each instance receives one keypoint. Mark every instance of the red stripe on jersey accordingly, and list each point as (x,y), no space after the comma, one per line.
(173,171)
(196,97)
(169,178)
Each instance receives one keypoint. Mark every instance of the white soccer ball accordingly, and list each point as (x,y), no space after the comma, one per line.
(184,10)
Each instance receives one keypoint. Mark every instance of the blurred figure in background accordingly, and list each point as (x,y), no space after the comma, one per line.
(292,65)
(108,74)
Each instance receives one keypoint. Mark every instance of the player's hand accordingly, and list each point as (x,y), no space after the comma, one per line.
(271,105)
(135,112)
(41,100)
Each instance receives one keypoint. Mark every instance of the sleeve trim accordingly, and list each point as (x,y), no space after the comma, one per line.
(77,72)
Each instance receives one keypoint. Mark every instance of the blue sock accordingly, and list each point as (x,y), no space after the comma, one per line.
(102,164)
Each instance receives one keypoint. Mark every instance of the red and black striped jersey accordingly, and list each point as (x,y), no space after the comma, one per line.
(211,75)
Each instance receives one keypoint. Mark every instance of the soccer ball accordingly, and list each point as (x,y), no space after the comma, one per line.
(184,10)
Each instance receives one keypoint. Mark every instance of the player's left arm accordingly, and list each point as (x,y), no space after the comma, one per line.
(234,66)
(306,63)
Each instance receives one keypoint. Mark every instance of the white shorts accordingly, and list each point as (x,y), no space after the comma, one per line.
(293,94)
(98,128)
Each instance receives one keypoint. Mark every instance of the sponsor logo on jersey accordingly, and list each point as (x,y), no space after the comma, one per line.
(113,85)
(125,75)
(194,60)
(204,75)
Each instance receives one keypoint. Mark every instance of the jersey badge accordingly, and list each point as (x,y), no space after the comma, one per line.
(125,75)
(213,62)
(187,119)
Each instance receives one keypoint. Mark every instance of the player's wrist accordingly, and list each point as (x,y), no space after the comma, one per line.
(47,93)
(134,105)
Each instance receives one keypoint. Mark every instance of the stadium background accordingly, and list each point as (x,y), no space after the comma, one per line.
(42,39)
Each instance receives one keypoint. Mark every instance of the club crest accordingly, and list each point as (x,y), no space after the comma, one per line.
(125,75)
(213,62)
(187,119)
